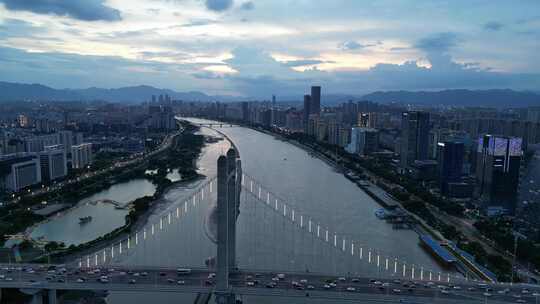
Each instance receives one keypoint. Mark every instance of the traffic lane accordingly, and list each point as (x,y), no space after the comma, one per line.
(200,277)
(282,286)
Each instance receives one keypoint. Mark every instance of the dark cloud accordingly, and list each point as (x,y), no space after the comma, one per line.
(354,45)
(302,62)
(218,5)
(437,48)
(439,42)
(399,49)
(89,10)
(493,26)
(247,6)
(351,45)
(206,75)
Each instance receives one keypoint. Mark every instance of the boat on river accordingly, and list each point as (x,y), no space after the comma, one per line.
(84,220)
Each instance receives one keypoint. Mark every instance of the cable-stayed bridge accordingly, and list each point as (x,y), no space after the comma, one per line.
(233,237)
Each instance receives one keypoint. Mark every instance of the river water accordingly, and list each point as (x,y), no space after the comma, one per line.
(266,241)
(65,226)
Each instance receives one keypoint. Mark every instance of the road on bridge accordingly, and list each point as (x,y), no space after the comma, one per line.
(260,284)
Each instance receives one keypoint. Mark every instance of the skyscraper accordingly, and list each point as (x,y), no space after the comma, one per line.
(315,107)
(245,111)
(414,137)
(497,171)
(81,155)
(364,141)
(307,111)
(66,139)
(53,163)
(450,163)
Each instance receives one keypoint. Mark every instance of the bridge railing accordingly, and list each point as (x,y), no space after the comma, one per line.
(384,262)
(114,251)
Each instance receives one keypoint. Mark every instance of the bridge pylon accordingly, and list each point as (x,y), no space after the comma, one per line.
(228,200)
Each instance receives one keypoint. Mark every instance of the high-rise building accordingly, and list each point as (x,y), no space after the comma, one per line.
(333,131)
(306,112)
(293,121)
(497,171)
(266,117)
(414,137)
(245,111)
(350,113)
(19,171)
(344,137)
(533,115)
(364,141)
(38,143)
(367,120)
(315,106)
(66,140)
(53,163)
(312,126)
(78,138)
(81,155)
(450,163)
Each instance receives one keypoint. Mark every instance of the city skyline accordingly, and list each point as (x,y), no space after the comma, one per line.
(244,48)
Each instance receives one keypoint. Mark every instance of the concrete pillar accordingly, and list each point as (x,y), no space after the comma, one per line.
(51,295)
(231,208)
(37,298)
(236,206)
(222,275)
(238,185)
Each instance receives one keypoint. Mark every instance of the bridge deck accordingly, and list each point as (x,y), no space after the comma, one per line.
(201,281)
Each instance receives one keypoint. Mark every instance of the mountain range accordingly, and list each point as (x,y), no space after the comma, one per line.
(499,98)
(10,91)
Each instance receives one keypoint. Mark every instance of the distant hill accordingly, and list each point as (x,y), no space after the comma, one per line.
(10,91)
(475,98)
(17,91)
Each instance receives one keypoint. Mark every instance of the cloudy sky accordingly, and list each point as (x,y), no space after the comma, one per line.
(260,47)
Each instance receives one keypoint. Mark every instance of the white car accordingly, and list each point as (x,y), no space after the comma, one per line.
(351,289)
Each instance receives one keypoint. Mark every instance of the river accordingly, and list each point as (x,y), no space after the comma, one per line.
(264,240)
(65,227)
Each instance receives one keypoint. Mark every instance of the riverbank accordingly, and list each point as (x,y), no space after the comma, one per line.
(413,207)
(184,151)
